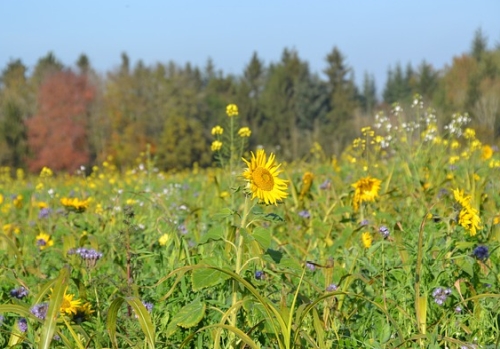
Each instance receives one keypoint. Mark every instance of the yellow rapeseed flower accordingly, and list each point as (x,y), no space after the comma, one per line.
(263,181)
(487,152)
(366,189)
(163,239)
(469,133)
(43,241)
(217,130)
(216,145)
(367,239)
(468,217)
(46,173)
(244,132)
(232,110)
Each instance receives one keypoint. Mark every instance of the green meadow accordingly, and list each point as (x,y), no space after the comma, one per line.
(393,244)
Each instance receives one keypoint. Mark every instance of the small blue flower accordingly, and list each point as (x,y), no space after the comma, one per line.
(259,275)
(19,292)
(305,214)
(481,252)
(332,287)
(44,212)
(310,266)
(40,310)
(384,231)
(22,324)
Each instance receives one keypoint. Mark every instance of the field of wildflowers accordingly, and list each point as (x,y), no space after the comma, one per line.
(392,245)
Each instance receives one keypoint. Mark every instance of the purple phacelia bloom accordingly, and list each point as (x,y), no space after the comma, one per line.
(22,324)
(305,214)
(364,222)
(40,310)
(384,231)
(89,255)
(481,252)
(19,292)
(148,306)
(311,266)
(182,229)
(259,275)
(44,212)
(325,185)
(332,287)
(440,295)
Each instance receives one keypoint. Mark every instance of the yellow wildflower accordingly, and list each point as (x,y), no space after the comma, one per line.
(68,305)
(46,173)
(244,132)
(216,146)
(18,201)
(367,239)
(163,239)
(487,152)
(307,180)
(232,110)
(366,189)
(217,130)
(469,133)
(468,217)
(43,241)
(75,204)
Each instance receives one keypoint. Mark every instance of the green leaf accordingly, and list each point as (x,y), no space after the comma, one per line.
(189,316)
(274,217)
(215,233)
(263,237)
(273,256)
(384,333)
(112,319)
(202,278)
(224,213)
(144,319)
(54,310)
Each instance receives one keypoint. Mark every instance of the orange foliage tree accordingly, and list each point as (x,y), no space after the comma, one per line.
(58,133)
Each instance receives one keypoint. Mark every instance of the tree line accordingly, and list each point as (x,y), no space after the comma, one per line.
(65,117)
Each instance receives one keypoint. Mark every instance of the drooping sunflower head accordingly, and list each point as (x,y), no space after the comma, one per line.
(366,189)
(263,181)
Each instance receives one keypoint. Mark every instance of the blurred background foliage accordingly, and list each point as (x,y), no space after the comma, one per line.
(65,117)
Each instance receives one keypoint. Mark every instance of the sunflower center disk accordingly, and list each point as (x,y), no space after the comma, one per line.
(263,179)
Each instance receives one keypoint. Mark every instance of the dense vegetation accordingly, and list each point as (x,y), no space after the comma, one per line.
(64,117)
(392,244)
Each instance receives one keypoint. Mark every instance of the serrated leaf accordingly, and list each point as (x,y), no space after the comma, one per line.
(189,316)
(203,278)
(263,237)
(214,233)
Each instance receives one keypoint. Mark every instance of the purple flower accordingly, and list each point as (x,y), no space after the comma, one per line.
(259,275)
(311,266)
(458,309)
(332,287)
(440,295)
(182,229)
(305,214)
(364,222)
(325,185)
(384,231)
(1,319)
(481,252)
(148,306)
(44,212)
(22,324)
(40,310)
(19,292)
(89,255)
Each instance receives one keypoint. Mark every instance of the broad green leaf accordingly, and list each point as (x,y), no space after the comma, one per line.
(56,298)
(215,233)
(203,278)
(263,237)
(189,316)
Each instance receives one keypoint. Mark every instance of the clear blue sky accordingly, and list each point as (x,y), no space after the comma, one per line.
(372,34)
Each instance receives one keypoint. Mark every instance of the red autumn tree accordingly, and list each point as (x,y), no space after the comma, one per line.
(57,134)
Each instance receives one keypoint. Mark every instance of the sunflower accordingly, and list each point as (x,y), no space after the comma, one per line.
(43,241)
(263,181)
(366,189)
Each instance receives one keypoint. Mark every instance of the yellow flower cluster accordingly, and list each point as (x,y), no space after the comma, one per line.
(366,239)
(216,146)
(217,130)
(232,110)
(468,217)
(244,132)
(307,180)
